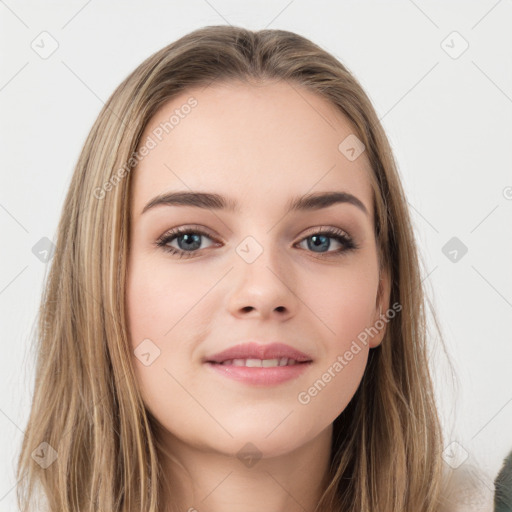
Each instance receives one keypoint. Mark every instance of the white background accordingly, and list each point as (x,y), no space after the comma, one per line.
(448,120)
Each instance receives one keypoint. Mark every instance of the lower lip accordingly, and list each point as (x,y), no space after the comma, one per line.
(263,376)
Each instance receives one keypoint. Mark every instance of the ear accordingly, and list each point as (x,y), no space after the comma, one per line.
(381,306)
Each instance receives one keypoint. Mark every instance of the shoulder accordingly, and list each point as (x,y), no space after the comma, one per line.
(467,489)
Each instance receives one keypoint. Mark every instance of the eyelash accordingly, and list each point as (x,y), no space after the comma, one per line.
(337,234)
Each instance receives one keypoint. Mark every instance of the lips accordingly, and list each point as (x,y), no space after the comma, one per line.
(254,350)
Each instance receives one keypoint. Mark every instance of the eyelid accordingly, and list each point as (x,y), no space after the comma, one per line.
(187,228)
(318,229)
(208,232)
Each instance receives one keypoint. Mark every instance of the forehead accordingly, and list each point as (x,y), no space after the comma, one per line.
(260,143)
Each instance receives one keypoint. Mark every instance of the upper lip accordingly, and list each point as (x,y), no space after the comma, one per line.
(254,350)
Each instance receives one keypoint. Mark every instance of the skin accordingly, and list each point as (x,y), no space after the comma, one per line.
(261,145)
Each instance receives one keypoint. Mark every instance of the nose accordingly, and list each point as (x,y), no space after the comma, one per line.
(262,289)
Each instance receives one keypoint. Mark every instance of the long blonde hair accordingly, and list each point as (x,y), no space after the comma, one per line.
(387,443)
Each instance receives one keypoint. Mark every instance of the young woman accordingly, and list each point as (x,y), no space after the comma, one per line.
(234,317)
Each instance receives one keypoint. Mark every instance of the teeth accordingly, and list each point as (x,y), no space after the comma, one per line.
(265,363)
(253,363)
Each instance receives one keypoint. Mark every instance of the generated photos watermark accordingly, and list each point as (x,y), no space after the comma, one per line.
(304,397)
(151,142)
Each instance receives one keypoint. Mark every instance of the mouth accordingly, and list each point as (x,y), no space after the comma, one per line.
(260,363)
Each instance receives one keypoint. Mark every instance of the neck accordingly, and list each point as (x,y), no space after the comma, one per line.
(202,479)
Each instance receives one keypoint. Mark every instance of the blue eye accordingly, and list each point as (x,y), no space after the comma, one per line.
(189,241)
(321,240)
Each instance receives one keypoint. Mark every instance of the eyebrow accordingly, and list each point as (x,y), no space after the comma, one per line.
(212,201)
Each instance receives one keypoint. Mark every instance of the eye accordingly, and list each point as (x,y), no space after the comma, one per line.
(320,240)
(189,241)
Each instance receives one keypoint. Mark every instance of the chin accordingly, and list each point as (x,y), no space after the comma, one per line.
(273,441)
(248,449)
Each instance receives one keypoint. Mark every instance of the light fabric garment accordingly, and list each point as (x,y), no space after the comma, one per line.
(468,489)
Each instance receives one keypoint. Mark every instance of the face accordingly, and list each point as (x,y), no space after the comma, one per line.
(305,277)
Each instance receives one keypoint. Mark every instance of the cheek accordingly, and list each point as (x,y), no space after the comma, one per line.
(344,302)
(336,376)
(159,298)
(165,318)
(332,386)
